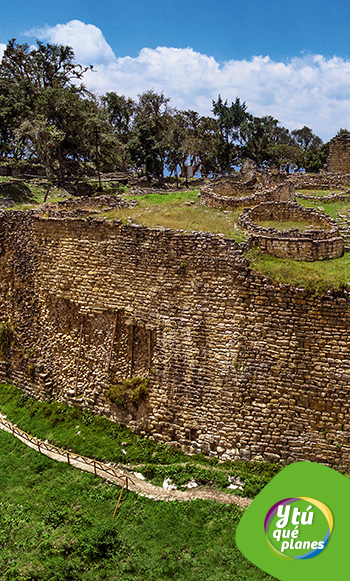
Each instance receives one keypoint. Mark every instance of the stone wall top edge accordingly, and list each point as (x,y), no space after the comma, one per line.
(251,278)
(115,225)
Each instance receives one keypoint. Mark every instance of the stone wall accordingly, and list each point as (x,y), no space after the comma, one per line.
(320,181)
(339,155)
(308,245)
(238,368)
(211,195)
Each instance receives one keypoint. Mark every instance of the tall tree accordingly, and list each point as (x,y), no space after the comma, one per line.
(150,134)
(120,111)
(230,120)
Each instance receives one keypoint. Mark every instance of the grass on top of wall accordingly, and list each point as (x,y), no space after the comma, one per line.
(56,524)
(317,277)
(300,225)
(180,211)
(95,436)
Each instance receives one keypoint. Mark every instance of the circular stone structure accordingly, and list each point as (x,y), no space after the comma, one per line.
(320,241)
(229,195)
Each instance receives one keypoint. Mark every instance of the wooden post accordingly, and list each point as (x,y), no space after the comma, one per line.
(132,351)
(95,468)
(112,342)
(116,508)
(78,362)
(68,458)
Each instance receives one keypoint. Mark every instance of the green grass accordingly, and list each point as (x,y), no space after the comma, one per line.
(180,211)
(320,192)
(95,436)
(56,525)
(287,225)
(37,196)
(316,277)
(333,209)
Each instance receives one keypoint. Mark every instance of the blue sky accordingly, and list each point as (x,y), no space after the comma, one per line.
(290,60)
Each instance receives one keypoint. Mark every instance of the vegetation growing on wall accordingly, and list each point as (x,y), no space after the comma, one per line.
(129,391)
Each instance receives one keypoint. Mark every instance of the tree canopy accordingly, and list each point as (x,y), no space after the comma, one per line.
(47,116)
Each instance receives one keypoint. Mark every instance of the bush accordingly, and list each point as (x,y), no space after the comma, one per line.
(128,391)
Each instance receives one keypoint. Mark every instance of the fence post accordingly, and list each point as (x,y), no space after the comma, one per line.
(68,458)
(120,496)
(95,468)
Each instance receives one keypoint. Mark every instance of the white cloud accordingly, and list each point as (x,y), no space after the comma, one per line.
(87,40)
(2,48)
(309,90)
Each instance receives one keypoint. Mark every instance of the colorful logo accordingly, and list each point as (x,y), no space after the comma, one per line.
(298,528)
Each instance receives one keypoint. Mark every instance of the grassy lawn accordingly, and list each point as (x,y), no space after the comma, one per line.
(333,209)
(56,525)
(95,436)
(180,211)
(287,225)
(317,277)
(37,194)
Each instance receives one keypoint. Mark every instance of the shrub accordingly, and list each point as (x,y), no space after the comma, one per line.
(128,391)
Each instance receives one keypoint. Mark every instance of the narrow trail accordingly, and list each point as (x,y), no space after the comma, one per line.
(116,474)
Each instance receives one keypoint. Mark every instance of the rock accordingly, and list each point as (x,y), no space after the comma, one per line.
(169,485)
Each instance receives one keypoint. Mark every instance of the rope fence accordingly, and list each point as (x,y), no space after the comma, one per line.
(90,465)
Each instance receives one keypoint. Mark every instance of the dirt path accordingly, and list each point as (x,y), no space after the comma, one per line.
(116,474)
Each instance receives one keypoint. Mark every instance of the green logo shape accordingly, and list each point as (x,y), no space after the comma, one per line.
(298,527)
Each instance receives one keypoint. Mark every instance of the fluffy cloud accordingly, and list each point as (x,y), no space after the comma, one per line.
(309,90)
(87,40)
(2,48)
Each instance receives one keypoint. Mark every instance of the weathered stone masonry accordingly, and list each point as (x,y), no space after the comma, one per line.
(238,368)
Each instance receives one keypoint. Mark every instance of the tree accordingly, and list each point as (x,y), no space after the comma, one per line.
(39,87)
(101,143)
(42,138)
(150,134)
(316,159)
(306,138)
(230,120)
(120,111)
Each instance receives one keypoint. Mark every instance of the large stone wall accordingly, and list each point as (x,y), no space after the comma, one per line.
(320,181)
(238,368)
(339,154)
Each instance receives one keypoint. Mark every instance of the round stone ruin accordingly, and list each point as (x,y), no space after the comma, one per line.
(320,240)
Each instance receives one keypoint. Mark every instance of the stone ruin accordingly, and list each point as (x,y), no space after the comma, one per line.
(277,203)
(339,154)
(238,368)
(309,245)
